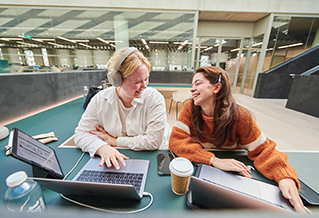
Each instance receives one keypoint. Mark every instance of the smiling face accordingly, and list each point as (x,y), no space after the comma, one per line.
(134,85)
(204,92)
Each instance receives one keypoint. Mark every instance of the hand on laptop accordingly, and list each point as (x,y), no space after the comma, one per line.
(110,156)
(289,190)
(231,165)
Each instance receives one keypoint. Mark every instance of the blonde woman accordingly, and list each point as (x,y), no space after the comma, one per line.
(128,114)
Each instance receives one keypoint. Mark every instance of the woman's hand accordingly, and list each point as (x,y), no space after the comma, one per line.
(109,155)
(231,165)
(289,191)
(102,134)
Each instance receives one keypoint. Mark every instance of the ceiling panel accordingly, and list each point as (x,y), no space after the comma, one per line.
(129,15)
(53,13)
(5,20)
(167,16)
(65,27)
(25,27)
(14,11)
(172,31)
(91,14)
(143,27)
(230,16)
(97,31)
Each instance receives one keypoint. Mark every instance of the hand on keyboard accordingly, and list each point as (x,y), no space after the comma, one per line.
(110,156)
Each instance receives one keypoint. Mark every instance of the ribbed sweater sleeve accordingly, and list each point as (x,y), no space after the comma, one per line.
(181,142)
(270,162)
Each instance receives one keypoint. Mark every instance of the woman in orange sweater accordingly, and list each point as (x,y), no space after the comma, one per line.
(212,119)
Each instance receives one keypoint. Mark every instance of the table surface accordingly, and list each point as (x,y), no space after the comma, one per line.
(63,119)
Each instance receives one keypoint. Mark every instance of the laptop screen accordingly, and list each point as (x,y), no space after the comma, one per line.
(33,152)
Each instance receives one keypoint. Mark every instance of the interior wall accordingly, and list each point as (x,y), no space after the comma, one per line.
(25,93)
(276,6)
(225,29)
(261,26)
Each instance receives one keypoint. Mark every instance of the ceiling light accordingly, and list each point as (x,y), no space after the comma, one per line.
(236,49)
(51,43)
(144,42)
(69,40)
(285,46)
(28,44)
(153,42)
(178,43)
(184,43)
(8,39)
(81,40)
(115,41)
(102,40)
(223,42)
(292,45)
(297,44)
(260,43)
(47,39)
(85,45)
(208,48)
(38,40)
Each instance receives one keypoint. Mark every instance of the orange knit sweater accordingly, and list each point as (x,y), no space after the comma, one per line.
(260,149)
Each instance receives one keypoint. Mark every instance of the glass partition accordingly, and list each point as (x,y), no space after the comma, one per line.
(50,39)
(250,71)
(224,57)
(290,36)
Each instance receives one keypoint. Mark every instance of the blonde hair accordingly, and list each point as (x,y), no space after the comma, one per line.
(134,60)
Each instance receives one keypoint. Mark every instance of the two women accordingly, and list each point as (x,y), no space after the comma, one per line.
(133,116)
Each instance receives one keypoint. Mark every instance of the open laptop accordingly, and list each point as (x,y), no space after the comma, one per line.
(91,180)
(214,188)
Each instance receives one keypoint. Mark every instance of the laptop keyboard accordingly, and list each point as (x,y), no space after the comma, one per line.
(134,179)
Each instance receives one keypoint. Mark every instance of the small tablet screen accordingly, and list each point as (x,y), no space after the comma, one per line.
(28,149)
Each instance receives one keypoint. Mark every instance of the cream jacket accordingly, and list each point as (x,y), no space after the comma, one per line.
(145,125)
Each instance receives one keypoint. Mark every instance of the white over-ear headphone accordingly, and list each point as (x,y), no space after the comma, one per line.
(114,76)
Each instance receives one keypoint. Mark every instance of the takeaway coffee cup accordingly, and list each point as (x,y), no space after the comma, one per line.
(181,171)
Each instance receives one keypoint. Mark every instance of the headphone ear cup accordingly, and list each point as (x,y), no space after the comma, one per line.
(114,77)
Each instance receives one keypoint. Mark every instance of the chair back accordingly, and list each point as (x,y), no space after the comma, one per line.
(181,95)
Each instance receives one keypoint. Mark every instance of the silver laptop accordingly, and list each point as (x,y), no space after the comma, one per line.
(128,182)
(214,188)
(91,180)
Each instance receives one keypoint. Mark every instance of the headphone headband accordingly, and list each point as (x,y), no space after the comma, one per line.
(123,56)
(114,76)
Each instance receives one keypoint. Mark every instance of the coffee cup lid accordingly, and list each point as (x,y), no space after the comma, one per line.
(181,167)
